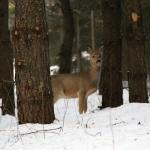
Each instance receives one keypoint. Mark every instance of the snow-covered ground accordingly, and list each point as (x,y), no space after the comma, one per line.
(123,128)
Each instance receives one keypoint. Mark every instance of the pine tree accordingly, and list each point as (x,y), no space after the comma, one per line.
(66,47)
(111,67)
(6,62)
(136,51)
(30,39)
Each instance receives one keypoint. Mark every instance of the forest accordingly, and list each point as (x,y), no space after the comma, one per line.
(56,54)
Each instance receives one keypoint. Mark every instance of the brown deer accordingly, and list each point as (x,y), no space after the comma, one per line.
(80,84)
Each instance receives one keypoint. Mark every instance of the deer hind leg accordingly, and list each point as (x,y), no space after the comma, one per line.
(85,104)
(81,95)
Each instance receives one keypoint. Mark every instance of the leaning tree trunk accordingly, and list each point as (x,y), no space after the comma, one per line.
(30,38)
(136,52)
(6,62)
(66,47)
(111,67)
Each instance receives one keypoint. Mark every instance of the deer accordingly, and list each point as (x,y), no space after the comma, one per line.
(78,85)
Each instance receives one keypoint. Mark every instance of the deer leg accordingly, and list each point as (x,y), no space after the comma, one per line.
(86,96)
(81,95)
(85,104)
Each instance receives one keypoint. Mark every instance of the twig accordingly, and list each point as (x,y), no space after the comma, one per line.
(37,131)
(98,133)
(64,115)
(86,125)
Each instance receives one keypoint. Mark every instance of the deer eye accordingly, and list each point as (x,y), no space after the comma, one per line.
(93,56)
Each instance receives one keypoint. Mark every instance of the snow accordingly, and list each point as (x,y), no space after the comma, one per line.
(123,128)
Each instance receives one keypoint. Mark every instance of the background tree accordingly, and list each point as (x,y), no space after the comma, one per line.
(6,62)
(136,51)
(90,19)
(30,39)
(111,75)
(146,27)
(66,47)
(86,9)
(56,26)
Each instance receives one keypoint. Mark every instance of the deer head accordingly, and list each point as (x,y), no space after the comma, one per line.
(95,57)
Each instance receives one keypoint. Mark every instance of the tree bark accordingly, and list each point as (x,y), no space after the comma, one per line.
(30,38)
(6,62)
(66,47)
(111,67)
(136,52)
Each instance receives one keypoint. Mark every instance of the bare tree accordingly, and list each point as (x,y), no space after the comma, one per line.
(66,47)
(136,52)
(6,62)
(111,75)
(30,39)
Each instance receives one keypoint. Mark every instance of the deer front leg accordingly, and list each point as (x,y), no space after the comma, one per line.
(86,96)
(81,95)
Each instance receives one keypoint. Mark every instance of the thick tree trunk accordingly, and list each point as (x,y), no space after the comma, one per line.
(136,52)
(30,38)
(6,62)
(111,75)
(66,47)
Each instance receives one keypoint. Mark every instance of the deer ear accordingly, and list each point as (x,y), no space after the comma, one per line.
(101,50)
(89,49)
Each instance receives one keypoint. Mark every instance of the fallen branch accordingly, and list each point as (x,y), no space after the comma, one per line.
(37,131)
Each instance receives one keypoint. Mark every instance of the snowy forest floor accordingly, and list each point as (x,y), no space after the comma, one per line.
(123,128)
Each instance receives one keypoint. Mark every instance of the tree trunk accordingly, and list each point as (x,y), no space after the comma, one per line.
(30,38)
(6,62)
(66,47)
(78,50)
(92,30)
(111,68)
(136,52)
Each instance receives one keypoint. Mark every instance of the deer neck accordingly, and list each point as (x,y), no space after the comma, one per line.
(94,73)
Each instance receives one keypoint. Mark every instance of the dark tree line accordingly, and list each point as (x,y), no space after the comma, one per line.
(6,62)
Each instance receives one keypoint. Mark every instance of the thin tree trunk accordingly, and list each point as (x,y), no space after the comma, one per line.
(92,30)
(136,52)
(78,43)
(66,47)
(6,62)
(111,75)
(30,38)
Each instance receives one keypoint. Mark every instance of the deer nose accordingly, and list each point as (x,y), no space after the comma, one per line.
(98,61)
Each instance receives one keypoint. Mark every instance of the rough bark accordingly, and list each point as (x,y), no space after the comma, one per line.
(30,38)
(136,52)
(111,67)
(66,47)
(6,62)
